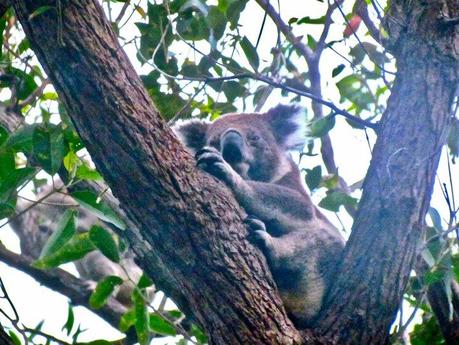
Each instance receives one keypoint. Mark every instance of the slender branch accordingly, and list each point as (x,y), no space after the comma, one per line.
(285,29)
(361,44)
(65,283)
(362,11)
(323,36)
(122,12)
(34,95)
(47,336)
(269,81)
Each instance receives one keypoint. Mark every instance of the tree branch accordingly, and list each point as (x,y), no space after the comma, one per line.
(65,283)
(398,186)
(362,11)
(34,95)
(285,29)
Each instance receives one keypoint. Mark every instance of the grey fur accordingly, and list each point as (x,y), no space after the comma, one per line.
(249,152)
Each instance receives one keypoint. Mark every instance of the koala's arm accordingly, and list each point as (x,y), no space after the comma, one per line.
(288,209)
(284,208)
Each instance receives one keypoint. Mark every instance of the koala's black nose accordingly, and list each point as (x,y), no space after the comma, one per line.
(232,145)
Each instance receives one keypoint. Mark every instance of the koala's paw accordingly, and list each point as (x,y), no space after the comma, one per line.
(258,234)
(211,160)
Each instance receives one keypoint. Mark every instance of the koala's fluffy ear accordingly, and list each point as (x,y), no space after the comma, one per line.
(192,133)
(288,123)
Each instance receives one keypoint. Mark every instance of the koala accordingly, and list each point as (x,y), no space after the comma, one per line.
(36,225)
(250,154)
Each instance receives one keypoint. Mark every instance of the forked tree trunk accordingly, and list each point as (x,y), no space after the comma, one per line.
(390,221)
(191,240)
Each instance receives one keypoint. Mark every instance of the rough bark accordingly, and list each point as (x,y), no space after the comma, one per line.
(438,301)
(191,230)
(446,311)
(380,253)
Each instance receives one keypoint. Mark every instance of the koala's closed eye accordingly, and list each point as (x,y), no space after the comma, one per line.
(253,137)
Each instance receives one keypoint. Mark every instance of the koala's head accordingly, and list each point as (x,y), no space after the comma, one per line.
(255,145)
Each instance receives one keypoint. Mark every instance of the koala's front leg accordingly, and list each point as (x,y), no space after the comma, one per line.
(210,159)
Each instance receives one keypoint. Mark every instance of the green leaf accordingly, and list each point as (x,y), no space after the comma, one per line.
(70,162)
(337,70)
(144,282)
(7,162)
(68,326)
(232,89)
(217,22)
(97,342)
(313,177)
(141,319)
(14,180)
(89,200)
(312,42)
(160,325)
(433,276)
(49,148)
(104,241)
(7,209)
(24,82)
(233,12)
(14,338)
(250,52)
(427,256)
(335,199)
(75,249)
(192,25)
(427,333)
(21,140)
(435,217)
(309,20)
(199,334)
(455,264)
(3,134)
(51,96)
(330,181)
(322,126)
(84,172)
(65,230)
(127,321)
(41,10)
(103,290)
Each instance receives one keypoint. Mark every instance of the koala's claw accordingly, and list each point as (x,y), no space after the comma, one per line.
(258,234)
(253,224)
(210,159)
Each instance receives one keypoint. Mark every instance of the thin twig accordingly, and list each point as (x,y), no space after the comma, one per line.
(122,12)
(285,29)
(34,95)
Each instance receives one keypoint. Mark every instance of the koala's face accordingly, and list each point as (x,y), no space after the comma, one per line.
(247,143)
(253,144)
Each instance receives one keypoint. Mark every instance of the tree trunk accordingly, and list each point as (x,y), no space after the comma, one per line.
(192,241)
(380,252)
